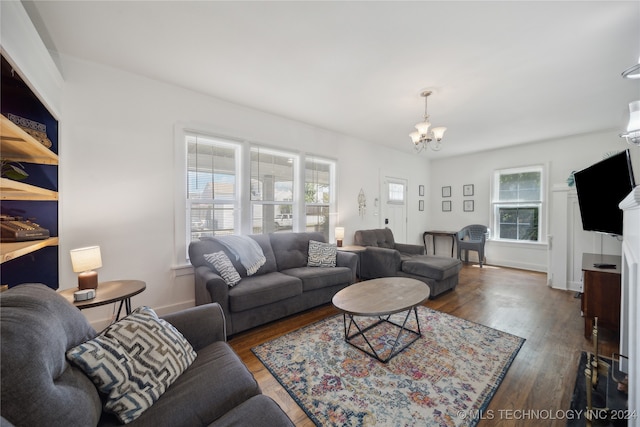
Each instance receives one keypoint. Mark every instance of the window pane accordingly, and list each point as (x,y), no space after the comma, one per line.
(318,219)
(518,223)
(523,186)
(211,168)
(211,186)
(396,192)
(208,219)
(317,194)
(271,176)
(317,181)
(269,218)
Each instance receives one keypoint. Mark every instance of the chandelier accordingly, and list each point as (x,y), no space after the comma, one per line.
(423,136)
(633,128)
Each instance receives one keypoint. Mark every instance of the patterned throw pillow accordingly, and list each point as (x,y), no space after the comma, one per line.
(321,254)
(134,361)
(224,267)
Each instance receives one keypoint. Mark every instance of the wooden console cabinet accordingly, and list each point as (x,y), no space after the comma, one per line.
(601,292)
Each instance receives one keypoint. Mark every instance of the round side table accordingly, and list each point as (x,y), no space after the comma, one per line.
(109,292)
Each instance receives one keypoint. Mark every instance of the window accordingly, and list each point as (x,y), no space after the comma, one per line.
(235,187)
(396,193)
(272,190)
(212,187)
(517,203)
(318,194)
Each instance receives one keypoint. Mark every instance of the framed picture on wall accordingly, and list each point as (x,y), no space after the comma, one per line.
(467,190)
(446,206)
(421,205)
(420,190)
(446,191)
(468,206)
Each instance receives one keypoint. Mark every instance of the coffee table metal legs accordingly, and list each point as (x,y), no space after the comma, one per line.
(366,347)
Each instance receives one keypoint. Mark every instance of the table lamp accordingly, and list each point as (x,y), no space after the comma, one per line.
(84,260)
(339,236)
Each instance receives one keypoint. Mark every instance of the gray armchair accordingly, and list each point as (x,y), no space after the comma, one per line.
(384,257)
(472,238)
(40,387)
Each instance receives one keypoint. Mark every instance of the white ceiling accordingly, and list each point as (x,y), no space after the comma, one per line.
(502,73)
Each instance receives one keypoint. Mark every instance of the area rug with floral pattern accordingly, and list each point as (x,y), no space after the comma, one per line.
(442,379)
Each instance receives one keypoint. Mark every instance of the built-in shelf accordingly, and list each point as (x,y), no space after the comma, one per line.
(15,190)
(19,146)
(9,251)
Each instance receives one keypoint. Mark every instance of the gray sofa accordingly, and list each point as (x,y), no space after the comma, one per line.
(284,285)
(384,257)
(40,387)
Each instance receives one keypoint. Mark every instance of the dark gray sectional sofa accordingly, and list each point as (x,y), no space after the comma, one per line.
(40,387)
(284,285)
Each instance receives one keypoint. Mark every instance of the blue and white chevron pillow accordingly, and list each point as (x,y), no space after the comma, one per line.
(224,267)
(321,254)
(134,361)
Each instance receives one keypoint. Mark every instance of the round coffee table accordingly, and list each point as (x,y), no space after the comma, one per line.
(381,298)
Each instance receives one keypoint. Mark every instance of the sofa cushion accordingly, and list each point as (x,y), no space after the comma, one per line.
(321,277)
(433,267)
(215,383)
(37,327)
(379,237)
(260,410)
(255,291)
(222,264)
(133,361)
(321,254)
(291,250)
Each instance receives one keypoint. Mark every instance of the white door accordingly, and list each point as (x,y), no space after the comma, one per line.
(395,207)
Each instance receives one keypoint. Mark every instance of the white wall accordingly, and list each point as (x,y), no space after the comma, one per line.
(117,173)
(560,157)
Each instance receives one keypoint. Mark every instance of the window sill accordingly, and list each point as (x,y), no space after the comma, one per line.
(518,243)
(182,270)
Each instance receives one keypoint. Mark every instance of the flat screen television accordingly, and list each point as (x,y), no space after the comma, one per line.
(601,187)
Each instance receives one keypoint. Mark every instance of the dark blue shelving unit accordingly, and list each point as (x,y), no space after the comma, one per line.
(34,261)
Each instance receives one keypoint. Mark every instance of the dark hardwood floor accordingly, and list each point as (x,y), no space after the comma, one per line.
(515,301)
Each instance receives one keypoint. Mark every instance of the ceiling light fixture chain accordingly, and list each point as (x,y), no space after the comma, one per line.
(423,136)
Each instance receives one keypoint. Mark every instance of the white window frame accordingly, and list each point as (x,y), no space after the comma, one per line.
(295,203)
(541,204)
(243,202)
(235,201)
(331,205)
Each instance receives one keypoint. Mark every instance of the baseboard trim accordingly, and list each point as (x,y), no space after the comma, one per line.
(101,324)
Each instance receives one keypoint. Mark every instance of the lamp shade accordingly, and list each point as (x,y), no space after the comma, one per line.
(423,127)
(340,233)
(438,133)
(415,137)
(86,259)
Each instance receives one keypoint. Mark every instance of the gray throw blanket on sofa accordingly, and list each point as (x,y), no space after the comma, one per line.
(246,250)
